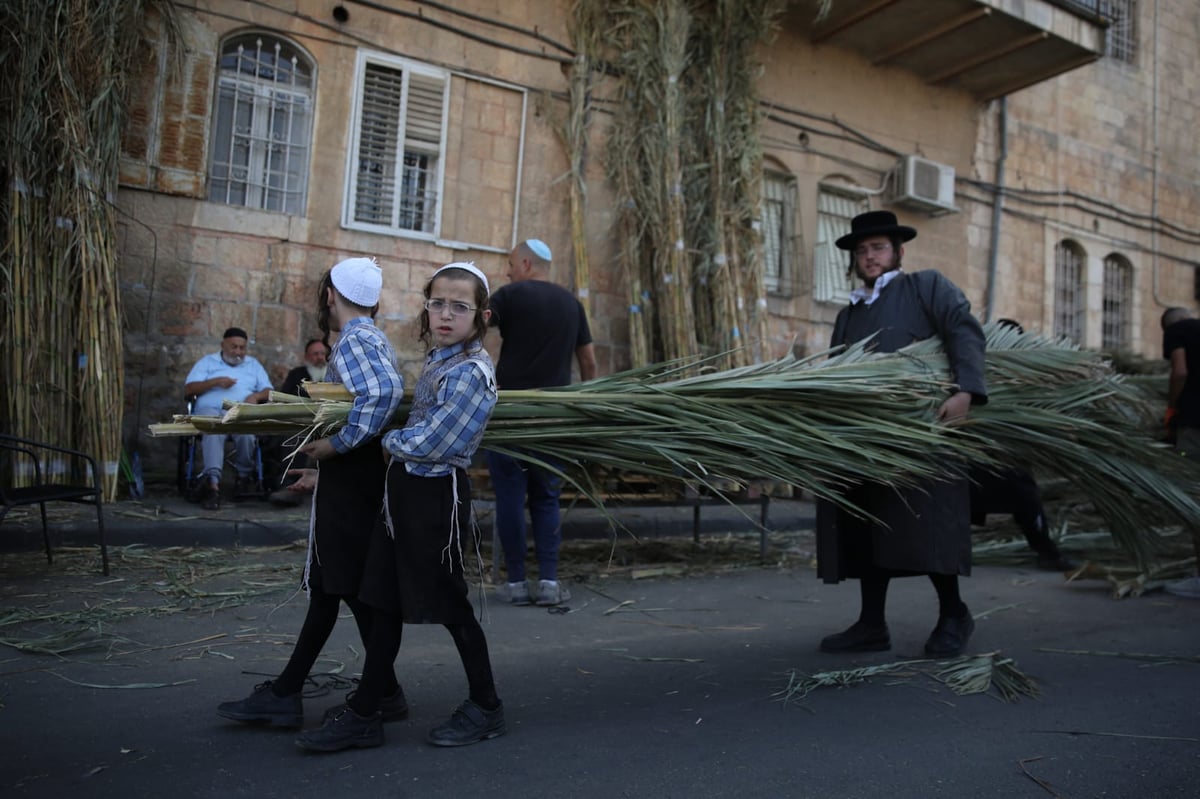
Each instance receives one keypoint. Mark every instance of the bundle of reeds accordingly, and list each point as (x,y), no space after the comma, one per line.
(823,424)
(62,86)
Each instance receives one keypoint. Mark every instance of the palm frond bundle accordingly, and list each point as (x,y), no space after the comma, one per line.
(966,674)
(825,423)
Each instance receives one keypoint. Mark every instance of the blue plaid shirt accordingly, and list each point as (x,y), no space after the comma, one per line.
(364,362)
(465,400)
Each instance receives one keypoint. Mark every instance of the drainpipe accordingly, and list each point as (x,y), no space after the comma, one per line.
(997,207)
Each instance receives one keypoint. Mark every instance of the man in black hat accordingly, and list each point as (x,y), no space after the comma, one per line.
(926,529)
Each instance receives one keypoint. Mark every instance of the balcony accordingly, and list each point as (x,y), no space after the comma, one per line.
(988,48)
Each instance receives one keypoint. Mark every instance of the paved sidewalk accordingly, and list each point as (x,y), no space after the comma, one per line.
(164,518)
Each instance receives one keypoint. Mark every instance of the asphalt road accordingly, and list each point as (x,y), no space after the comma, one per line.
(658,687)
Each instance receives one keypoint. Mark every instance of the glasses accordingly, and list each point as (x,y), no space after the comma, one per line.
(878,248)
(456,308)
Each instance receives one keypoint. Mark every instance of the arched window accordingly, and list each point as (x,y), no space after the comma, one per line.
(778,229)
(262,125)
(837,204)
(1070,262)
(1117,319)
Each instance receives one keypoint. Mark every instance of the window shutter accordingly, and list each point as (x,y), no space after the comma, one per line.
(378,141)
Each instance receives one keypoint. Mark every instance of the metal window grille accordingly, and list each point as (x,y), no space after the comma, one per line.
(1068,291)
(835,209)
(262,126)
(1121,37)
(398,148)
(778,215)
(1118,303)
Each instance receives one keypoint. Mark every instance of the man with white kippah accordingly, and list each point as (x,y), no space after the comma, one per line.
(542,327)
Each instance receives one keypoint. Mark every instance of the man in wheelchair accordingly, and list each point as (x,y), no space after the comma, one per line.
(229,374)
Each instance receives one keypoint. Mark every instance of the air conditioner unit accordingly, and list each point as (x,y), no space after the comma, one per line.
(924,184)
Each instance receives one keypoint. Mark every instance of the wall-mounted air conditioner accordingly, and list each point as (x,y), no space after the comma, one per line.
(927,185)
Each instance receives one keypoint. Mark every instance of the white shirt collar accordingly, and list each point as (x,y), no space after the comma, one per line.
(869,295)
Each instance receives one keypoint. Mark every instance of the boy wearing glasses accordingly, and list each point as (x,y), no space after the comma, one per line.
(926,529)
(542,327)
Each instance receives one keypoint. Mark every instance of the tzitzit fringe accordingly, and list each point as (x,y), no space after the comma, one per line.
(453,541)
(312,537)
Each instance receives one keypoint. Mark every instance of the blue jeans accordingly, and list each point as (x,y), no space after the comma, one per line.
(212,447)
(516,483)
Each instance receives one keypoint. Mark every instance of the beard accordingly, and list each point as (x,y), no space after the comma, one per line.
(316,373)
(233,360)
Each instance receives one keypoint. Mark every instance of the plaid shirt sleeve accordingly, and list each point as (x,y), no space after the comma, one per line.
(365,367)
(465,403)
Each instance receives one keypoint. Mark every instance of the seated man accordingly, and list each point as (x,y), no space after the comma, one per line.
(226,375)
(316,356)
(316,360)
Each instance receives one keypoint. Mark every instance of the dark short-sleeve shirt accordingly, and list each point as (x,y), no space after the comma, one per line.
(541,325)
(1186,334)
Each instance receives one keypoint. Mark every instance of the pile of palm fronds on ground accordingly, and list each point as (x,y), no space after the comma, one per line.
(826,423)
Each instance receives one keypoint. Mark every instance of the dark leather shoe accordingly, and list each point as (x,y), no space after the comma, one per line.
(950,636)
(212,497)
(469,724)
(343,729)
(1055,562)
(858,637)
(393,708)
(264,707)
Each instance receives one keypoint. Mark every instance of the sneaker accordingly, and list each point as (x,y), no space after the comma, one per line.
(469,724)
(551,592)
(517,593)
(342,729)
(211,499)
(858,637)
(393,708)
(264,707)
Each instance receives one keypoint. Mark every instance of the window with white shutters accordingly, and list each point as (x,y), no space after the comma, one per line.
(835,209)
(398,143)
(262,125)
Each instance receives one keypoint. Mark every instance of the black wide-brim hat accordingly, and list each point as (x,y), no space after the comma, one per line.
(874,223)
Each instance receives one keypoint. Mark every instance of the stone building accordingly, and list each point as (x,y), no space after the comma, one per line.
(1042,149)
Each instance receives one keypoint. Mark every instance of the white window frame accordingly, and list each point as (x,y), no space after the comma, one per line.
(427,202)
(271,172)
(836,206)
(778,231)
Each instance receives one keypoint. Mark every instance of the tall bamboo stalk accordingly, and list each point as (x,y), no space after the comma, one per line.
(61,114)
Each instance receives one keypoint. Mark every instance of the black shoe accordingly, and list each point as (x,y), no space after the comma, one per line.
(393,708)
(264,707)
(1055,562)
(950,636)
(211,499)
(859,637)
(343,729)
(469,724)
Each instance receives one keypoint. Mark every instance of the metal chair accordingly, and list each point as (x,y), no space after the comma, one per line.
(33,485)
(189,471)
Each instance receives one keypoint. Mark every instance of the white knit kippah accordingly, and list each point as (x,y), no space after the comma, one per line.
(359,280)
(469,266)
(538,248)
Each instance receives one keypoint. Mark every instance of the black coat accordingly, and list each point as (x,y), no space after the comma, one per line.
(919,530)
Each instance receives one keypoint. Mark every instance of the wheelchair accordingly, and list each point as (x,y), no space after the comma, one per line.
(190,467)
